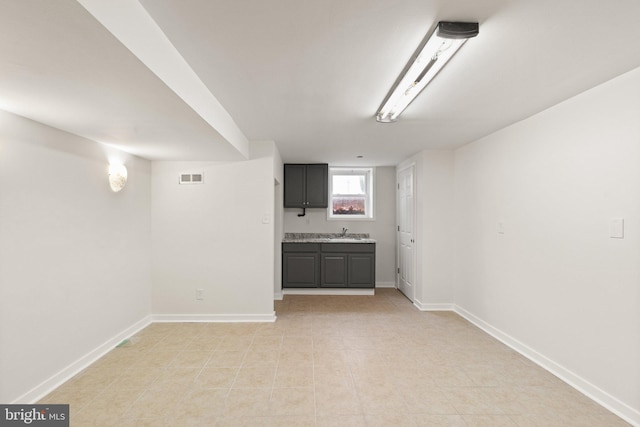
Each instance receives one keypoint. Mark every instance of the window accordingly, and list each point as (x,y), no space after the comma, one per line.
(351,193)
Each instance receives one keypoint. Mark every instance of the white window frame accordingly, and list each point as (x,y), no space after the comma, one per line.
(369,174)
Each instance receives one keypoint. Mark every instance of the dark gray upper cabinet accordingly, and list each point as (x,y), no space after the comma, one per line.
(306,185)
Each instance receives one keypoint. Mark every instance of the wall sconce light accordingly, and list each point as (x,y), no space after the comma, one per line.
(432,54)
(117,176)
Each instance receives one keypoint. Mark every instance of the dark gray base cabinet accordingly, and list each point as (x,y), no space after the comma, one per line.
(362,270)
(301,265)
(333,270)
(328,265)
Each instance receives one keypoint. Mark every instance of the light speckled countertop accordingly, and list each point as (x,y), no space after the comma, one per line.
(327,238)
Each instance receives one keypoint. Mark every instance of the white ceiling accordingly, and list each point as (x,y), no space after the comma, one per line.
(307,74)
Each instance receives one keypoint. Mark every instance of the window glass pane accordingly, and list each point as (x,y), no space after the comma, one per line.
(351,193)
(348,205)
(348,184)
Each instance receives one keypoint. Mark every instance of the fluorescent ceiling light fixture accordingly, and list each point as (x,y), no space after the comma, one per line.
(428,60)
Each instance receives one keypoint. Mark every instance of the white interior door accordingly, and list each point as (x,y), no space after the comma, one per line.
(406,253)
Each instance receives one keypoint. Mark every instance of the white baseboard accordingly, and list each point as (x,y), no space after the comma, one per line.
(328,291)
(600,396)
(228,318)
(386,285)
(46,387)
(277,296)
(433,307)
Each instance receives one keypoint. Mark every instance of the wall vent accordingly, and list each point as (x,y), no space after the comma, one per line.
(191,178)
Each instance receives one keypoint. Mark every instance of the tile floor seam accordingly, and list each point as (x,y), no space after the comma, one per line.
(205,364)
(275,374)
(235,377)
(313,372)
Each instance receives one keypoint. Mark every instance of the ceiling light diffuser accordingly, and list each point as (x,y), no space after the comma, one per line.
(117,177)
(428,60)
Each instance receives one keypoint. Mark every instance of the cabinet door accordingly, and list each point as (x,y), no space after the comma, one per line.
(362,270)
(294,186)
(333,271)
(300,270)
(317,185)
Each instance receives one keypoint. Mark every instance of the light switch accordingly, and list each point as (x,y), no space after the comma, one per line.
(616,228)
(266,218)
(500,228)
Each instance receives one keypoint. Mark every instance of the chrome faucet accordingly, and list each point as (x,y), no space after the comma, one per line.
(344,232)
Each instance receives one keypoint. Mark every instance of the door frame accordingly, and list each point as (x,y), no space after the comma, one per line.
(399,170)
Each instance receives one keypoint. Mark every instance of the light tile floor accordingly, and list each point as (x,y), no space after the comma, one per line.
(327,361)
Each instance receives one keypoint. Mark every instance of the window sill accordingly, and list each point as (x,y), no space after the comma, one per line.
(349,218)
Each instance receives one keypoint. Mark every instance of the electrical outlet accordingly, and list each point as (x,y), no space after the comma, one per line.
(200,294)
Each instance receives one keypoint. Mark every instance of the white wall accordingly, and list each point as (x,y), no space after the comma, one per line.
(382,228)
(555,281)
(74,256)
(433,195)
(268,149)
(212,237)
